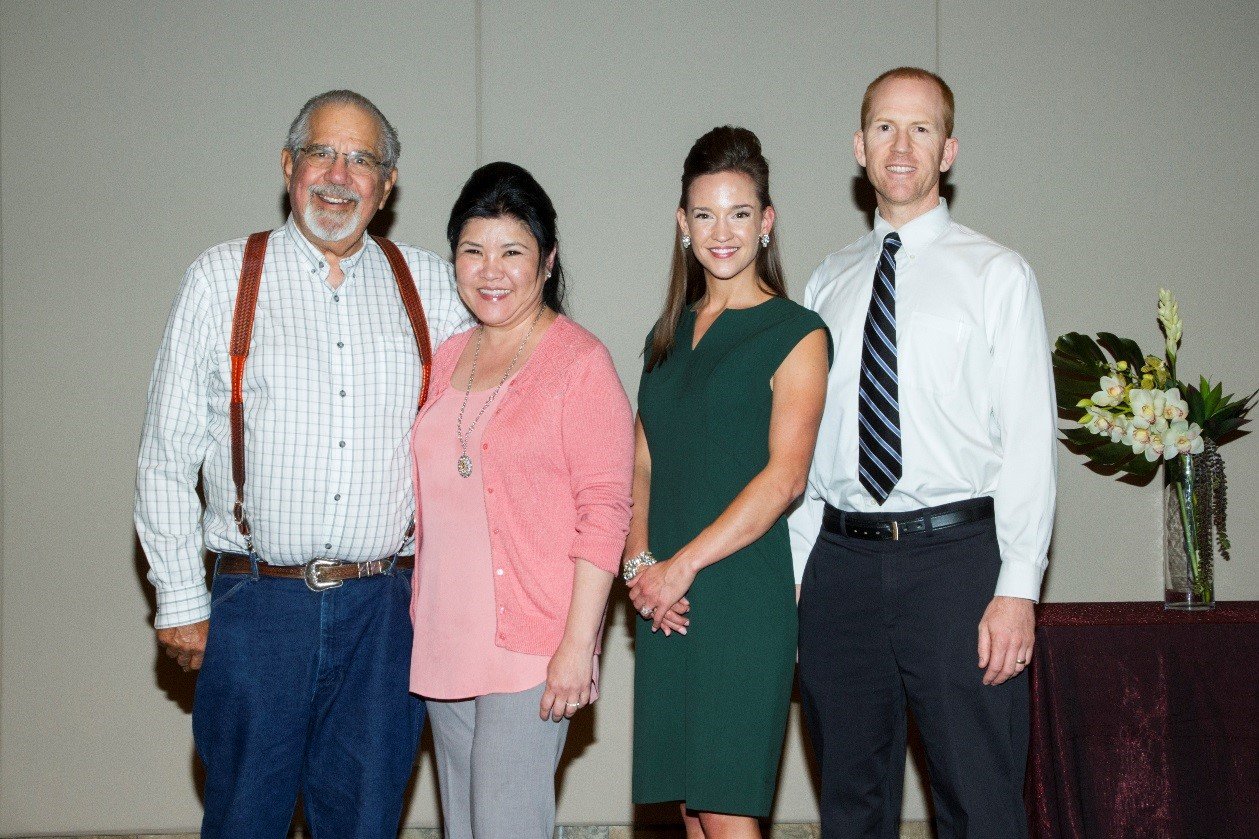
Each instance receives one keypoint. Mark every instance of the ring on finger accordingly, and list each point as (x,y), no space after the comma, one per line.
(646,611)
(1020,661)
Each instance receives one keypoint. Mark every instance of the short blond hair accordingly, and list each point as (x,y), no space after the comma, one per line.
(946,93)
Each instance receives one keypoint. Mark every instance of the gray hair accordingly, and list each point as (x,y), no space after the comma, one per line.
(299,131)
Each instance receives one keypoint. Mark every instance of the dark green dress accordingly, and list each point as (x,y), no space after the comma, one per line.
(710,707)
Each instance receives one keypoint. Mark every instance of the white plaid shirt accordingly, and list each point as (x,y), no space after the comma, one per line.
(330,391)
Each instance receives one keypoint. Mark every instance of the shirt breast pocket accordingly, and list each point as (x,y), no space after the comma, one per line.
(932,352)
(395,375)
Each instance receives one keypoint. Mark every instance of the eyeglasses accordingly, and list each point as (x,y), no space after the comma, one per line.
(324,157)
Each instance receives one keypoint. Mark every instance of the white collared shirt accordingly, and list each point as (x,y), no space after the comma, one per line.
(977,405)
(330,391)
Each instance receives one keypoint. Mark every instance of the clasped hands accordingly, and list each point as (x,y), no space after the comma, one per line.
(658,593)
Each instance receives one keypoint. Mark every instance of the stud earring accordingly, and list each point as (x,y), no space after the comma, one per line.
(686,242)
(764,240)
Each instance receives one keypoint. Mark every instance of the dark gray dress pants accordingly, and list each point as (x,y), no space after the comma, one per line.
(889,623)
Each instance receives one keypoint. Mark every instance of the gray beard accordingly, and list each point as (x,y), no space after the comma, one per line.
(327,232)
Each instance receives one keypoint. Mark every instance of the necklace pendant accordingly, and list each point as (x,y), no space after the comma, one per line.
(465,466)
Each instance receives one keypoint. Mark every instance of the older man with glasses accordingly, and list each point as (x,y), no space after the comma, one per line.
(287,381)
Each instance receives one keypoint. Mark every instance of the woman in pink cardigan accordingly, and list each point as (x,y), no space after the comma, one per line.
(523,461)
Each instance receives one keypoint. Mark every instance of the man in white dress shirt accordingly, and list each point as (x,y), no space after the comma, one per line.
(922,538)
(306,633)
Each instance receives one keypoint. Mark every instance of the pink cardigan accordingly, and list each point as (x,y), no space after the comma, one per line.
(557,461)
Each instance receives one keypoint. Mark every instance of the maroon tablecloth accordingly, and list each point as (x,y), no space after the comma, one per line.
(1145,723)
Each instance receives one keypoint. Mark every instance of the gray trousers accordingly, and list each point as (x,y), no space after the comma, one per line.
(496,762)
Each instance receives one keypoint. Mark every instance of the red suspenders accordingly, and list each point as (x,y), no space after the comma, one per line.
(243,327)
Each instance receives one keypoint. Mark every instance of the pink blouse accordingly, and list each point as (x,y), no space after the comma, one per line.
(555,461)
(455,656)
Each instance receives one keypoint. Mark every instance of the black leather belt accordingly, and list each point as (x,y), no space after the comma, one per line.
(879,526)
(319,574)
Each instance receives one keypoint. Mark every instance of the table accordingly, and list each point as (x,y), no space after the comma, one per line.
(1145,722)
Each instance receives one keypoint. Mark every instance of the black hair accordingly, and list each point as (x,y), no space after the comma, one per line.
(505,189)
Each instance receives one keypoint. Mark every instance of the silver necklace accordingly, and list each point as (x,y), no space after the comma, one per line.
(464,464)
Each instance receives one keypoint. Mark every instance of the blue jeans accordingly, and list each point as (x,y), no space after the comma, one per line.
(305,691)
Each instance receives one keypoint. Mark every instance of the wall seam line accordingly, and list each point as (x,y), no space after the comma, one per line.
(479,82)
(937,67)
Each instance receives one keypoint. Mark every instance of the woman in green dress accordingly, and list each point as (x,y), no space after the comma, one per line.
(728,412)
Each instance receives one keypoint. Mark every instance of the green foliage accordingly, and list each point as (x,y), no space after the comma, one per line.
(1216,414)
(1080,362)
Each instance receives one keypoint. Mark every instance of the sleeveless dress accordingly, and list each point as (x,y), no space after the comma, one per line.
(710,707)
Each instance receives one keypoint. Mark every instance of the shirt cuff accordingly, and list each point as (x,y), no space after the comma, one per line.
(181,607)
(1020,579)
(599,551)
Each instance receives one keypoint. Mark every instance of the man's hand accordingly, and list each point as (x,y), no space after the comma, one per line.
(1006,634)
(185,644)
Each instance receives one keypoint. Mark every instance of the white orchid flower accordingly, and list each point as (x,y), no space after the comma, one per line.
(1147,404)
(1111,392)
(1184,438)
(1158,447)
(1138,435)
(1175,408)
(1119,428)
(1099,422)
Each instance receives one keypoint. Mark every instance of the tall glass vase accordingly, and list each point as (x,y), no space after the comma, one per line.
(1188,555)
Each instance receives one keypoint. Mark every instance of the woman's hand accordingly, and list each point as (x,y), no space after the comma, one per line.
(568,679)
(675,620)
(658,588)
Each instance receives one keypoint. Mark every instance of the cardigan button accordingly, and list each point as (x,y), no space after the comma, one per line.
(485,446)
(499,572)
(490,490)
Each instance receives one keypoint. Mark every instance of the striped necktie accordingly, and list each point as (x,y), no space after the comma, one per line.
(878,401)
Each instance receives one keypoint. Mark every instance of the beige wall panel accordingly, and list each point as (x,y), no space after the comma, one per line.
(601,102)
(1113,145)
(1113,149)
(135,135)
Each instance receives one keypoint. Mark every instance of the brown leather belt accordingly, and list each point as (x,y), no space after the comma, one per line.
(319,574)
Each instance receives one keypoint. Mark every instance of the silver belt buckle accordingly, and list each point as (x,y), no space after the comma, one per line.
(311,573)
(896,532)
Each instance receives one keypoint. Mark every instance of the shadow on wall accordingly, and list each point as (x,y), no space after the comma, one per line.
(865,200)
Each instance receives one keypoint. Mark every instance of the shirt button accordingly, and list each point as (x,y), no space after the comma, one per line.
(327,545)
(499,572)
(336,497)
(343,393)
(340,344)
(341,444)
(336,298)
